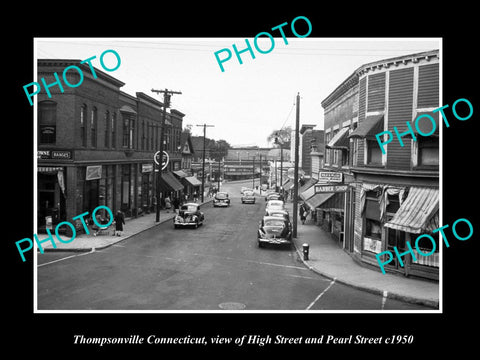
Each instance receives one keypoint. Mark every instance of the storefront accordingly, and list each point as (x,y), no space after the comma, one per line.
(391,216)
(51,201)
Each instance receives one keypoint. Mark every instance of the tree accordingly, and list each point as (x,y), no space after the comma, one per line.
(218,149)
(283,135)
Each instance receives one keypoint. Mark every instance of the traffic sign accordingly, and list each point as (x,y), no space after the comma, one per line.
(320,189)
(165,159)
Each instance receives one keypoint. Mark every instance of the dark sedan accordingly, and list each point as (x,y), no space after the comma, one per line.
(221,199)
(189,215)
(274,230)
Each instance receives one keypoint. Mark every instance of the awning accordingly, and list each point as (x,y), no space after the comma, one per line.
(288,184)
(193,181)
(308,184)
(340,140)
(308,193)
(369,127)
(416,212)
(169,182)
(318,199)
(180,173)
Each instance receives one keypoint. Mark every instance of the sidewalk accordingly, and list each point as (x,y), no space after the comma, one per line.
(133,226)
(329,260)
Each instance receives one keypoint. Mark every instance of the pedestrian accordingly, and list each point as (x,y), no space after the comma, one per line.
(119,222)
(303,213)
(168,204)
(195,196)
(176,204)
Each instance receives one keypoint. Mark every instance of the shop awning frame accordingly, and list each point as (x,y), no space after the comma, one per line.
(171,183)
(193,181)
(340,140)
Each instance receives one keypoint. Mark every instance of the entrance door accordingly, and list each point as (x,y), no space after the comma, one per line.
(91,195)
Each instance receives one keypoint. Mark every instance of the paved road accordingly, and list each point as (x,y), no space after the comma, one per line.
(217,266)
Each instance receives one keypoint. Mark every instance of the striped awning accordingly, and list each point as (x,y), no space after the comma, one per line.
(193,181)
(169,182)
(307,194)
(318,199)
(417,212)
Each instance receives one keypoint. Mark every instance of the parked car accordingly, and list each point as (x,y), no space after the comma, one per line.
(282,214)
(221,199)
(274,196)
(274,230)
(275,205)
(248,197)
(189,215)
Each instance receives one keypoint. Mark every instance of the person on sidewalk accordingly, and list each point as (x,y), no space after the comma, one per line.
(303,213)
(176,204)
(168,204)
(119,222)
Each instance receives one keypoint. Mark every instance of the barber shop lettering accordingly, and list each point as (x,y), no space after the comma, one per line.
(65,71)
(387,136)
(419,251)
(228,53)
(50,238)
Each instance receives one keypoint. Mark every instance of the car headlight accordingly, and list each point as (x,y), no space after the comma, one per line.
(261,234)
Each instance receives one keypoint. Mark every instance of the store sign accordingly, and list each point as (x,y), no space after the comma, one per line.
(146,168)
(329,176)
(94,172)
(320,189)
(54,155)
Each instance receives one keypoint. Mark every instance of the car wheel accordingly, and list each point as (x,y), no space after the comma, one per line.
(260,245)
(196,224)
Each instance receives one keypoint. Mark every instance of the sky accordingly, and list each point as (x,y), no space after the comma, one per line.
(248,101)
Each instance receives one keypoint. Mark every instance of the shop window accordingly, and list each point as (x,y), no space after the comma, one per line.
(93,126)
(47,122)
(83,125)
(428,154)
(425,245)
(374,153)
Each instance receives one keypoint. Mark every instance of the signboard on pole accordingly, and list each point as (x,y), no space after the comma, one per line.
(330,176)
(320,189)
(165,159)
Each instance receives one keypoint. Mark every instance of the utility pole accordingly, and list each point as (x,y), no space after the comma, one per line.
(167,94)
(253,173)
(203,163)
(295,189)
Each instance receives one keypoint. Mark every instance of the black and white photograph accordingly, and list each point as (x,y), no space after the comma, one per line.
(261,184)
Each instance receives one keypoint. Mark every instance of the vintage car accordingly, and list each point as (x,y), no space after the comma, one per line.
(274,196)
(274,230)
(221,199)
(248,197)
(274,205)
(189,215)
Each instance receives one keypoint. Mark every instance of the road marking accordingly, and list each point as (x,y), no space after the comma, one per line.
(65,258)
(321,294)
(306,277)
(253,261)
(384,299)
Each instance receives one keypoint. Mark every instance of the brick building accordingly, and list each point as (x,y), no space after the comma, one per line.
(96,143)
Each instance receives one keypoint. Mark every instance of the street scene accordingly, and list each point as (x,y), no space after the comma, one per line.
(321,198)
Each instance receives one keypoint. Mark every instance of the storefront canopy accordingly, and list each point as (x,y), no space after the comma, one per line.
(318,199)
(180,173)
(193,181)
(169,183)
(416,213)
(308,184)
(307,194)
(340,140)
(369,127)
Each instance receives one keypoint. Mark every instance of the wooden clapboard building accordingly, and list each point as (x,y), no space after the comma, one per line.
(393,197)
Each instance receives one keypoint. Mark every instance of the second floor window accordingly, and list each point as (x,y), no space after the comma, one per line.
(47,122)
(374,153)
(93,126)
(83,125)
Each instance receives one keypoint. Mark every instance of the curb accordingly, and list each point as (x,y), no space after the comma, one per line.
(405,298)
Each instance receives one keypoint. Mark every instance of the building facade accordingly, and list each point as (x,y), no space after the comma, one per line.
(393,197)
(95,146)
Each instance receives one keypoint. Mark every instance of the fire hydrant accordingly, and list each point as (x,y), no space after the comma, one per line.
(306,249)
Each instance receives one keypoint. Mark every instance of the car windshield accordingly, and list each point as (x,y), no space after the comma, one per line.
(188,208)
(249,193)
(222,196)
(274,222)
(278,214)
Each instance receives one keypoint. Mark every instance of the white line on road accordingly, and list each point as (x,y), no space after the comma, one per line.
(65,258)
(321,294)
(252,261)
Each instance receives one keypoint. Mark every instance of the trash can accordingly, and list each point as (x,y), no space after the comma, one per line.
(306,249)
